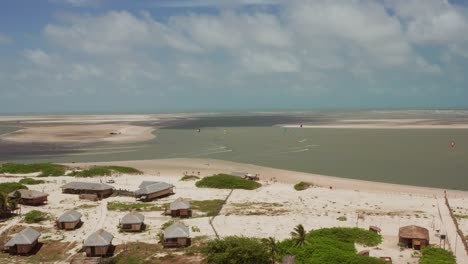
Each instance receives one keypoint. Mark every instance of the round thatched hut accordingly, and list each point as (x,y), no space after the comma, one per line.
(413,236)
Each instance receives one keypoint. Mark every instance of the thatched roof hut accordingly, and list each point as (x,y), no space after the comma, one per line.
(69,220)
(29,197)
(149,190)
(23,242)
(413,236)
(132,221)
(177,235)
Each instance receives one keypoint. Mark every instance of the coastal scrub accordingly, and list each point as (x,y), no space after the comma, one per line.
(224,181)
(431,255)
(31,181)
(45,169)
(104,171)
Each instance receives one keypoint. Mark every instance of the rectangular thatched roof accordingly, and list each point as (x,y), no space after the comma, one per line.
(70,217)
(92,186)
(177,230)
(25,237)
(148,187)
(99,238)
(28,194)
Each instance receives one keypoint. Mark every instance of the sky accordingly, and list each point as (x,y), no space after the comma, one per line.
(65,56)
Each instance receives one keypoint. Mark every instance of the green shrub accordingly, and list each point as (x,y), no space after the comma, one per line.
(301,186)
(342,218)
(431,255)
(224,181)
(34,216)
(104,171)
(332,245)
(46,169)
(189,178)
(8,187)
(30,181)
(236,249)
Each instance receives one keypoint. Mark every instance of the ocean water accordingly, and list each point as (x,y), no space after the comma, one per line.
(420,157)
(7,129)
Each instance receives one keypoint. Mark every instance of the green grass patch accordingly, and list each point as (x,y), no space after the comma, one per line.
(189,178)
(137,253)
(301,186)
(210,207)
(34,216)
(331,245)
(46,169)
(342,218)
(167,224)
(224,181)
(8,187)
(86,206)
(104,171)
(119,206)
(432,255)
(30,181)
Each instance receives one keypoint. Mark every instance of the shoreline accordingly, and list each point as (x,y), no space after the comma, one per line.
(207,167)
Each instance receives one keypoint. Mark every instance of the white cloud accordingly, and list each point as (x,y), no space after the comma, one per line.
(38,57)
(213,3)
(306,44)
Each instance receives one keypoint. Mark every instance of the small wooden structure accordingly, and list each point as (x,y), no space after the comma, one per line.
(375,229)
(412,236)
(69,220)
(88,190)
(180,208)
(177,235)
(29,197)
(98,244)
(24,242)
(149,190)
(132,222)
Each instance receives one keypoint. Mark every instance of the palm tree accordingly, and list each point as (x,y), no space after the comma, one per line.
(299,235)
(272,246)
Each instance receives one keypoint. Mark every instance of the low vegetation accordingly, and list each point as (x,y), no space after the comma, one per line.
(34,216)
(31,181)
(431,255)
(189,178)
(461,216)
(301,186)
(224,181)
(45,169)
(136,253)
(209,207)
(236,249)
(8,187)
(329,245)
(119,206)
(342,218)
(167,224)
(104,171)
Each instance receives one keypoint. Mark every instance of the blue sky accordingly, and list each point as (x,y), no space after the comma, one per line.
(189,55)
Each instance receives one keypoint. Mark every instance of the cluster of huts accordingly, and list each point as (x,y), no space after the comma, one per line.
(99,243)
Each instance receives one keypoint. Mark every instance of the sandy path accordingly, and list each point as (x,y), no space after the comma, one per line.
(102,216)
